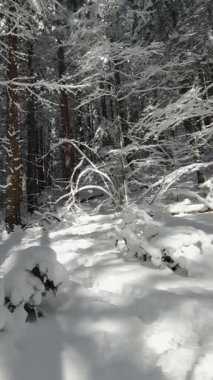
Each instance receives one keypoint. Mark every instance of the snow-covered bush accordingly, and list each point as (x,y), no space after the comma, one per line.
(138,231)
(3,311)
(11,324)
(131,231)
(28,275)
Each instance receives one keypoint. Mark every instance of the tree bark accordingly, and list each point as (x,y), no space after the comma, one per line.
(122,140)
(32,156)
(68,155)
(13,158)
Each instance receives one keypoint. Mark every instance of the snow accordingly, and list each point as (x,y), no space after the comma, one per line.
(19,283)
(117,318)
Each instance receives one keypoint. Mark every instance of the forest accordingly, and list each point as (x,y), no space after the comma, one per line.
(116,94)
(106,189)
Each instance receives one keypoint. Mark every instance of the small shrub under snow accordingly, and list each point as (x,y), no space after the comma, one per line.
(138,230)
(28,275)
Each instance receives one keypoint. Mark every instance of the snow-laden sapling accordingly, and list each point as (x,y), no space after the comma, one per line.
(29,275)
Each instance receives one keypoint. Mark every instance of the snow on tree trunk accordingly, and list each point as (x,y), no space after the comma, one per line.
(12,141)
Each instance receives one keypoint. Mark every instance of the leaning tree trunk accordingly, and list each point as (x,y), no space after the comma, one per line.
(13,157)
(68,155)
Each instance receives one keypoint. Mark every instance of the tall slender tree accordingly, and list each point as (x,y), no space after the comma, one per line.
(68,154)
(12,141)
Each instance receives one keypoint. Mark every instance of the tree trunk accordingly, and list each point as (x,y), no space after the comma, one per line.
(13,158)
(32,173)
(68,155)
(40,161)
(192,126)
(122,109)
(122,140)
(103,100)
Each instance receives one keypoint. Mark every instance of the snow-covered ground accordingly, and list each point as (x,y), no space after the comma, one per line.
(118,319)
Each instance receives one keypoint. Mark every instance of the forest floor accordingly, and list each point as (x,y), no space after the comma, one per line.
(119,319)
